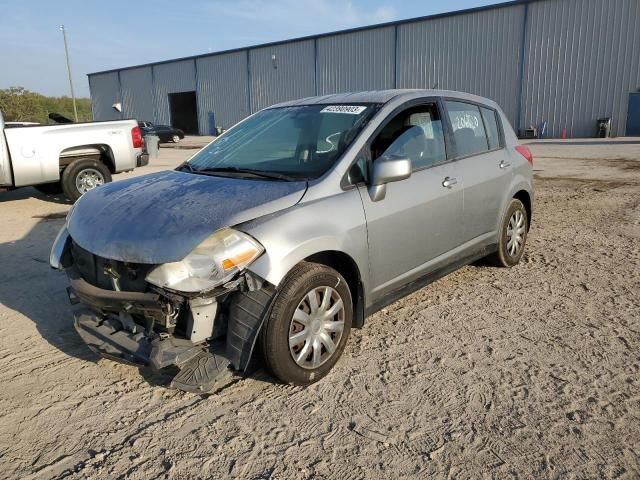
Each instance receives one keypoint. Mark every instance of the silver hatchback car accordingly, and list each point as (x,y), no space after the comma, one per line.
(290,229)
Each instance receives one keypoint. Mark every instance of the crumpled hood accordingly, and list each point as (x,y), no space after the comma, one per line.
(161,217)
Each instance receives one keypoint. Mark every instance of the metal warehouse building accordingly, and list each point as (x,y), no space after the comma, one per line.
(564,62)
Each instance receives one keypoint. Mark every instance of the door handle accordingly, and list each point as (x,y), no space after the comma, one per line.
(449,182)
(504,164)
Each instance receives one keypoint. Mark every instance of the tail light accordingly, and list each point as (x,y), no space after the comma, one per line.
(526,153)
(136,137)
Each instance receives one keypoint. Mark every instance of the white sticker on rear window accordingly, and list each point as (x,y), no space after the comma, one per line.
(349,109)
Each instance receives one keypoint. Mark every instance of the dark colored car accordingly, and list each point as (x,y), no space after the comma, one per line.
(166,133)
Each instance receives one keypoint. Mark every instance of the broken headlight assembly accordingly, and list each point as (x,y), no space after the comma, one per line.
(214,262)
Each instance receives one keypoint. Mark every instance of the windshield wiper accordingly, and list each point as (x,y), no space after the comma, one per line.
(247,171)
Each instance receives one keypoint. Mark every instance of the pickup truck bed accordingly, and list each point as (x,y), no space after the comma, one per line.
(72,157)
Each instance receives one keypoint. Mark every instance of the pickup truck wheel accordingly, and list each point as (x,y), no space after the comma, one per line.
(309,324)
(175,139)
(513,236)
(49,188)
(83,175)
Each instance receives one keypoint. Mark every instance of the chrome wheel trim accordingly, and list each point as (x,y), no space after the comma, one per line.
(316,328)
(88,179)
(175,139)
(516,231)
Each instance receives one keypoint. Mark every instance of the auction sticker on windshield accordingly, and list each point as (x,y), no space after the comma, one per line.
(350,109)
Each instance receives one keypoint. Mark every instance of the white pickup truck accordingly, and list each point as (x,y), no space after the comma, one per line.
(70,158)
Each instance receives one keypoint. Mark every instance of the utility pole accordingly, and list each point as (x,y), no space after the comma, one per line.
(66,53)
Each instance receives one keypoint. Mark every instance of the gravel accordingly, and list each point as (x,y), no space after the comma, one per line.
(531,372)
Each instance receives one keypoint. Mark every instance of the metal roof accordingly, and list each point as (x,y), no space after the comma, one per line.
(338,32)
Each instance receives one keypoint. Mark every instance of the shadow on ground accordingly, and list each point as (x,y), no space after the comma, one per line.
(31,192)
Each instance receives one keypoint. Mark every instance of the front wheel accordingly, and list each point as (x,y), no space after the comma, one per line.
(513,236)
(175,139)
(83,175)
(309,324)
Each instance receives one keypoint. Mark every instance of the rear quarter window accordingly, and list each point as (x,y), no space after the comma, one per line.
(491,126)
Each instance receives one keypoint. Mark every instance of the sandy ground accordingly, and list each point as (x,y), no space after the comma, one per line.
(532,372)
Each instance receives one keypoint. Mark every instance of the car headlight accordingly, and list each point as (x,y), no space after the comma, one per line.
(212,263)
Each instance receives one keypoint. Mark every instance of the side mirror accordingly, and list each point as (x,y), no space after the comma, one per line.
(387,170)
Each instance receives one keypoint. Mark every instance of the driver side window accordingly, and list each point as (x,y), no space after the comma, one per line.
(416,134)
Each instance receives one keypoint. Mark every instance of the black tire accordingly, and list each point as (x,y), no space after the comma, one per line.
(75,169)
(503,257)
(49,188)
(274,336)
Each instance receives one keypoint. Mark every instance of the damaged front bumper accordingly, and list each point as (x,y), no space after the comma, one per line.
(156,329)
(200,369)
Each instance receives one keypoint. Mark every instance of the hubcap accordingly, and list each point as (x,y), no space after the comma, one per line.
(316,327)
(88,179)
(515,233)
(176,139)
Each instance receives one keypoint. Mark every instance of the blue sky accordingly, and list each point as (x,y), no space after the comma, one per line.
(115,33)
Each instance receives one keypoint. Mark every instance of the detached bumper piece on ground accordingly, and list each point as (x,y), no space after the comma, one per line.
(201,368)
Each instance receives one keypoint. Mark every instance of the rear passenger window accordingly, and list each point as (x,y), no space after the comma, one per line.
(468,128)
(416,134)
(491,125)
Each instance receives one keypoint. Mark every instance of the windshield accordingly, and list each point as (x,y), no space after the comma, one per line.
(298,142)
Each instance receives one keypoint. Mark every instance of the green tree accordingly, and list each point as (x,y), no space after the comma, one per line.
(21,105)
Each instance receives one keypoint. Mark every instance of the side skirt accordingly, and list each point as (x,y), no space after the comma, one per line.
(429,278)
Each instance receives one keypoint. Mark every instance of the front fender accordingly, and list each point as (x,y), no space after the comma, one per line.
(278,260)
(334,223)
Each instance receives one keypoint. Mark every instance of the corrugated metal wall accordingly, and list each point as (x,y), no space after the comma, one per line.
(105,91)
(137,94)
(477,53)
(171,78)
(582,61)
(567,62)
(289,76)
(356,61)
(222,89)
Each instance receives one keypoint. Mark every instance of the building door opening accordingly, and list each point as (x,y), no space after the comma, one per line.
(633,115)
(183,109)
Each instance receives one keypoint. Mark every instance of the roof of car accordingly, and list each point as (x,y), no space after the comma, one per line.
(380,96)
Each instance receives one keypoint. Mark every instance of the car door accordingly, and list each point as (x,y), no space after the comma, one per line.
(412,229)
(485,171)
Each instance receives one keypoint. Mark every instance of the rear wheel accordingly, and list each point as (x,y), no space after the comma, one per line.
(83,175)
(309,324)
(513,236)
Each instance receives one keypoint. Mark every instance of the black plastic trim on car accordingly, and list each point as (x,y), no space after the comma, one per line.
(111,300)
(247,313)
